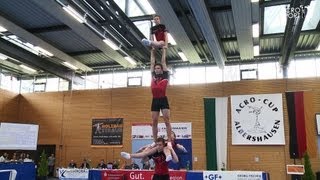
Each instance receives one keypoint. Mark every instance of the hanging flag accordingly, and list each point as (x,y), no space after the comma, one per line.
(216,120)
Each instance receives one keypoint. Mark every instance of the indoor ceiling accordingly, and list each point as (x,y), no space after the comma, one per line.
(42,35)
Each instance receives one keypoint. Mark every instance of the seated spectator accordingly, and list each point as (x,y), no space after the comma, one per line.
(134,165)
(21,157)
(14,158)
(85,164)
(72,164)
(126,165)
(146,165)
(101,165)
(27,159)
(109,165)
(4,157)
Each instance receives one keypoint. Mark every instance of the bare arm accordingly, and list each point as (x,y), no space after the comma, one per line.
(163,59)
(165,40)
(144,153)
(180,147)
(152,60)
(174,155)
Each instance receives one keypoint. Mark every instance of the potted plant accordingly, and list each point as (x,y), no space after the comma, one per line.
(308,174)
(43,167)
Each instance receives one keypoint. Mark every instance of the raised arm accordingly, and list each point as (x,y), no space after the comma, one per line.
(175,158)
(163,59)
(152,59)
(181,148)
(165,40)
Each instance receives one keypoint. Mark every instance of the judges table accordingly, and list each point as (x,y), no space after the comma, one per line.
(177,175)
(25,171)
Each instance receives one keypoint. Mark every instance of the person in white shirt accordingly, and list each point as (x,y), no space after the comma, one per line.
(4,157)
(27,159)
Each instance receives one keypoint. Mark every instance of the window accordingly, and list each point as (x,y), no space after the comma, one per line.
(52,84)
(40,84)
(300,68)
(231,73)
(6,81)
(180,76)
(248,74)
(26,86)
(275,19)
(146,78)
(144,27)
(197,75)
(213,74)
(120,79)
(92,82)
(313,16)
(106,80)
(63,85)
(267,70)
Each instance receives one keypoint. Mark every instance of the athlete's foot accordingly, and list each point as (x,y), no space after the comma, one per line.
(146,42)
(125,155)
(168,158)
(152,145)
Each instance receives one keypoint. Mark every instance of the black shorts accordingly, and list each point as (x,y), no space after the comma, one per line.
(161,177)
(159,103)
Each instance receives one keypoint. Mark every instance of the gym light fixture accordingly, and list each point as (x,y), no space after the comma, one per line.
(70,65)
(183,57)
(74,14)
(111,44)
(130,60)
(28,68)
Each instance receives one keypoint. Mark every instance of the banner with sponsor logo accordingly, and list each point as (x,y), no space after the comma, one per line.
(142,136)
(257,119)
(138,175)
(73,174)
(234,175)
(107,131)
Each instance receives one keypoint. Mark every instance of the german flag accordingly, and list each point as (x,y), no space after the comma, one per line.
(301,124)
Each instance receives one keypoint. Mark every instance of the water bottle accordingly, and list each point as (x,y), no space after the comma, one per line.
(188,166)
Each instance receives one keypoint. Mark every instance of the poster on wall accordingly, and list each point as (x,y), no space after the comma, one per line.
(141,135)
(257,119)
(107,131)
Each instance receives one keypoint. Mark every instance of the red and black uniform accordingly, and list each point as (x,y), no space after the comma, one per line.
(161,170)
(158,31)
(159,85)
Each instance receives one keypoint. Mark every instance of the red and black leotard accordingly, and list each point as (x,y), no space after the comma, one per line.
(159,85)
(158,31)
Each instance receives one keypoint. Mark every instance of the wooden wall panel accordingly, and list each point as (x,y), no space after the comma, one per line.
(71,114)
(9,106)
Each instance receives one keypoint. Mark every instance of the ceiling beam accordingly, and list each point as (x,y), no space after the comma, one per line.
(79,53)
(200,12)
(141,18)
(83,30)
(122,27)
(241,10)
(193,31)
(33,60)
(20,32)
(292,33)
(274,3)
(14,67)
(49,29)
(221,8)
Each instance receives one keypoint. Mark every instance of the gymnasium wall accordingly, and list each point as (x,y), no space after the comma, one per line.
(9,106)
(65,120)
